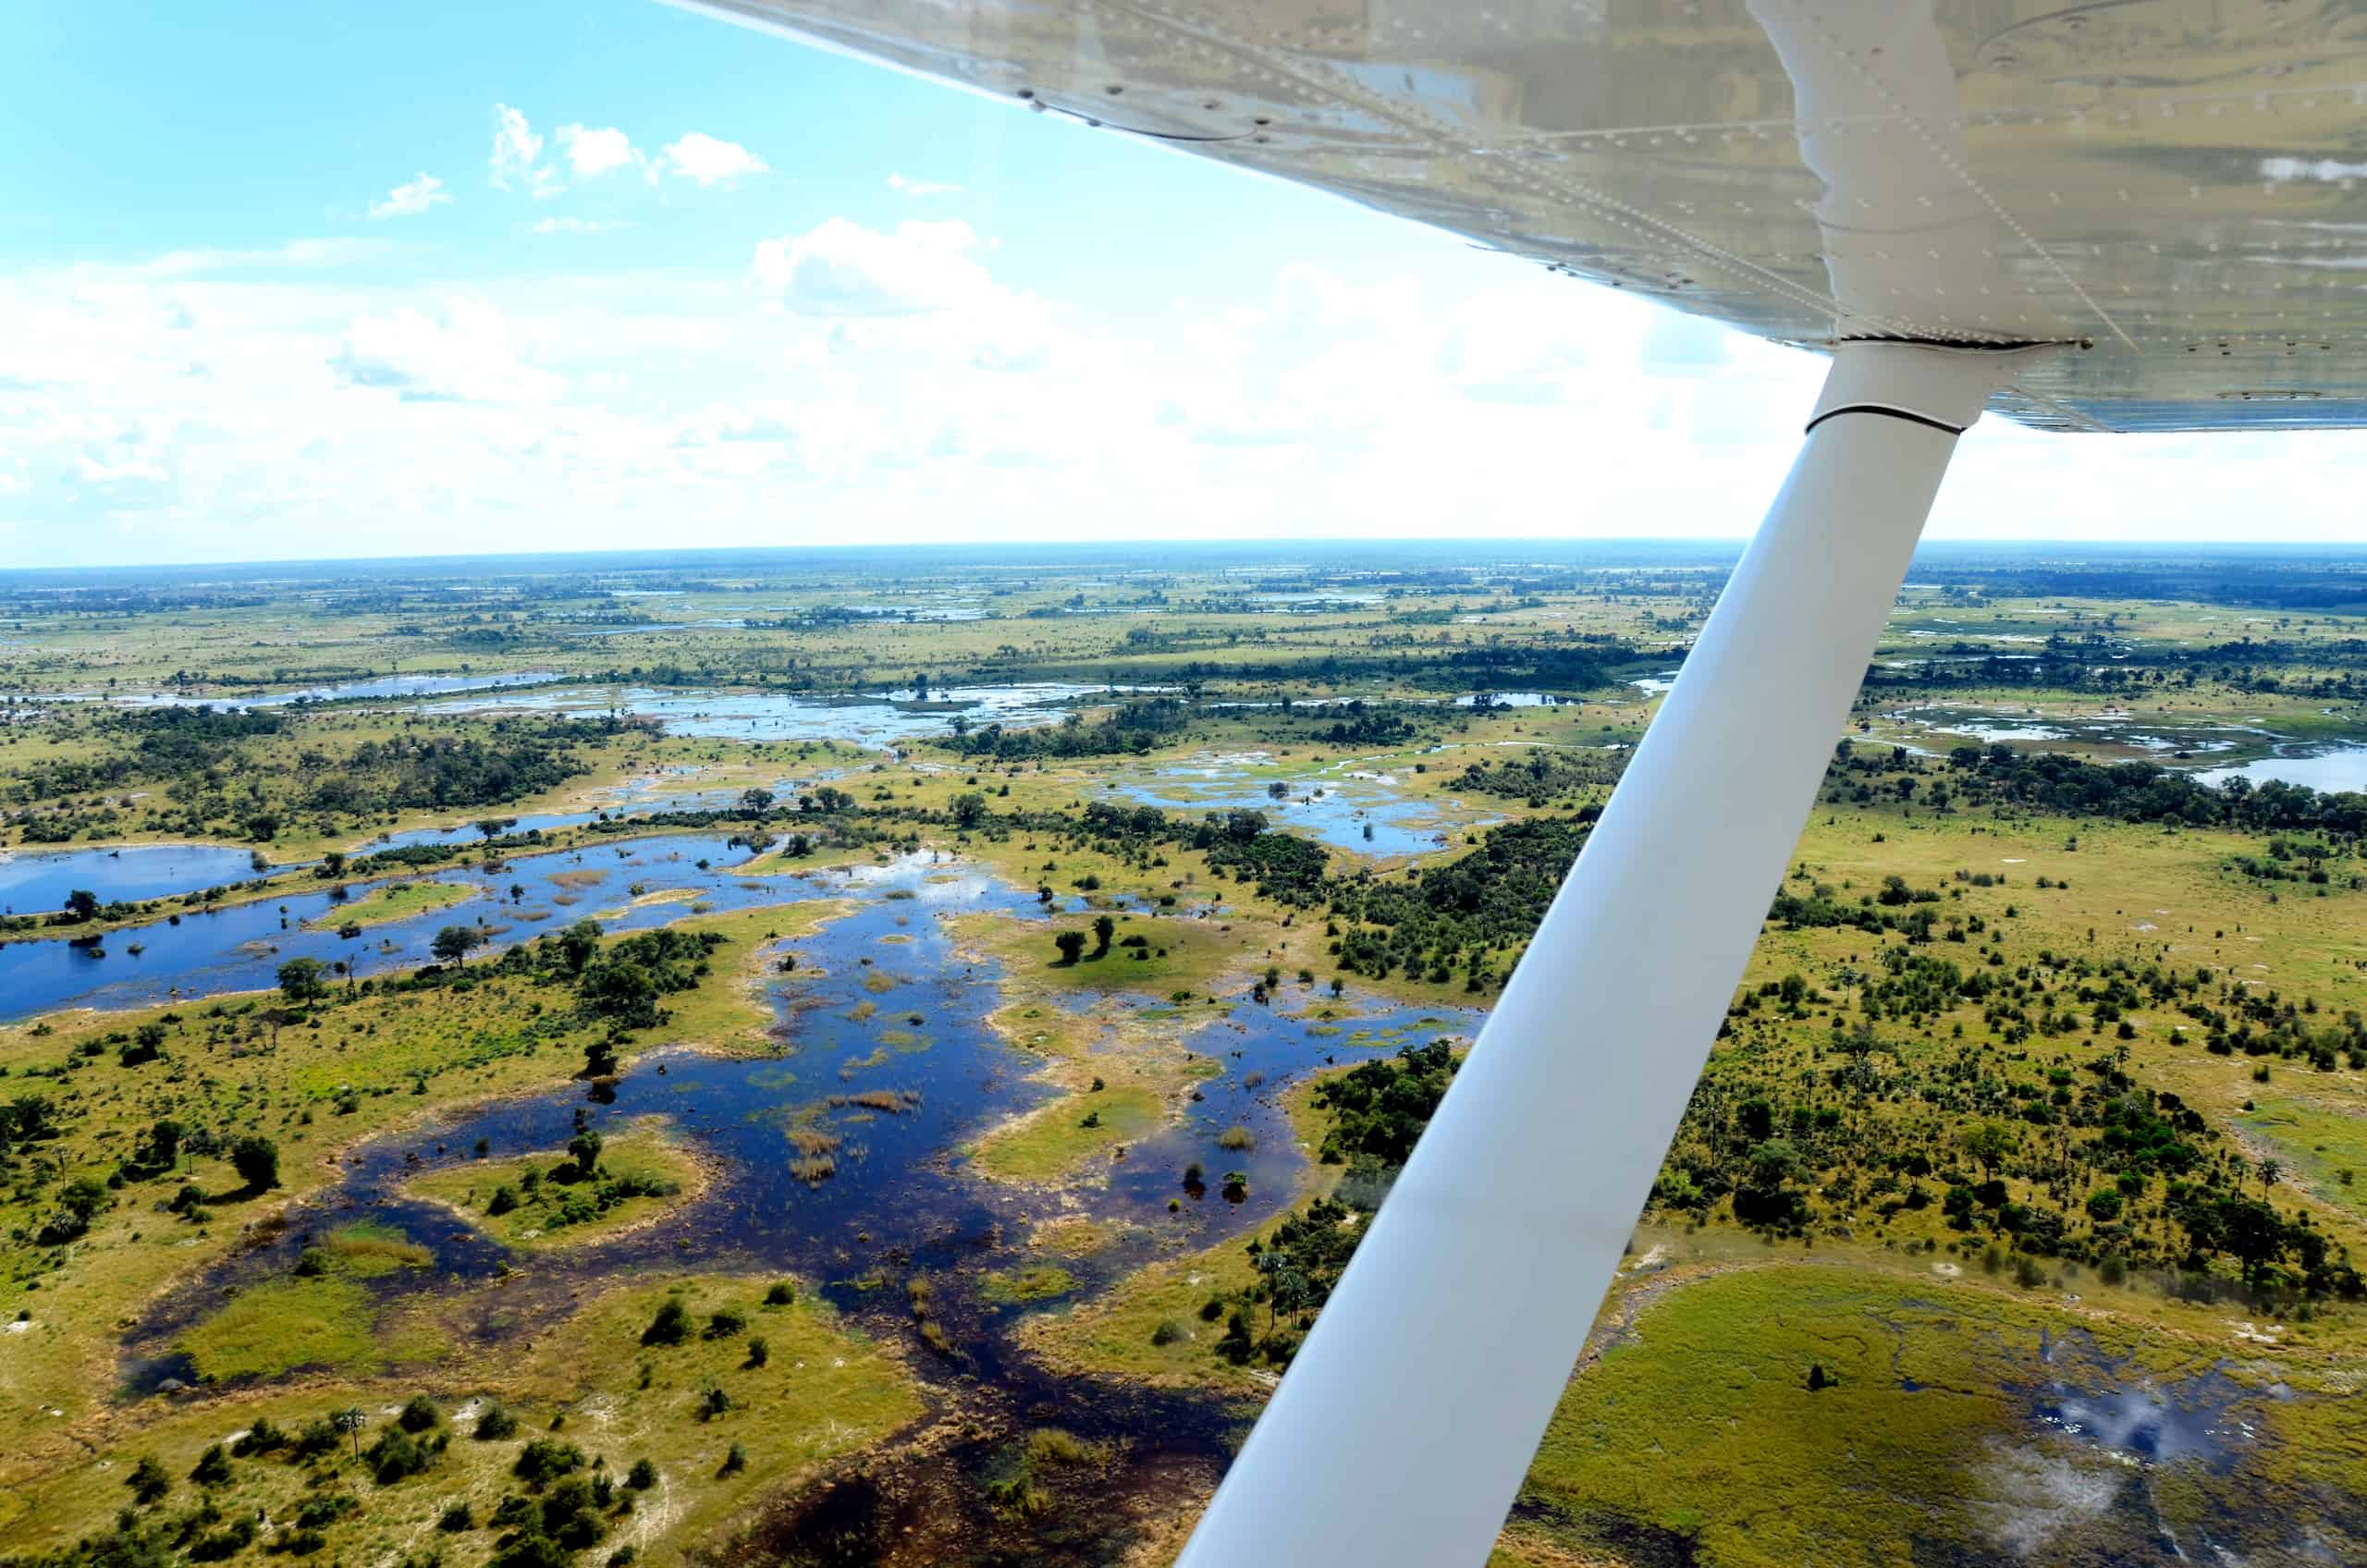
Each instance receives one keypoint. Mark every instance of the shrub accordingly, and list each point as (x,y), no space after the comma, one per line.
(418,1415)
(148,1481)
(257,1162)
(318,1437)
(642,1477)
(263,1437)
(494,1422)
(726,1321)
(671,1326)
(456,1518)
(213,1467)
(782,1293)
(1166,1332)
(397,1454)
(544,1460)
(571,1514)
(227,1542)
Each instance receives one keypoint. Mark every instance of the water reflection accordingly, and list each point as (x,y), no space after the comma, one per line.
(882,718)
(37,881)
(892,1064)
(628,885)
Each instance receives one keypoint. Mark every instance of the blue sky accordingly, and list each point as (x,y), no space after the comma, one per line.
(292,280)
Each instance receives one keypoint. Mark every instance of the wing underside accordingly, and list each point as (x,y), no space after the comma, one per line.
(2172,184)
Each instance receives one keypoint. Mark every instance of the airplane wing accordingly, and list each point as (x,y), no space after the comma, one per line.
(2118,216)
(2176,182)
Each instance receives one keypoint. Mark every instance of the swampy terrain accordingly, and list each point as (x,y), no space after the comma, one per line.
(866,1058)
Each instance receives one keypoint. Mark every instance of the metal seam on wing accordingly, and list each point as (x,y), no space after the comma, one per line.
(1960,170)
(1313,78)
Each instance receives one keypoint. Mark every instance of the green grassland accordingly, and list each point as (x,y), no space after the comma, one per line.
(360,1064)
(397,900)
(1121,1075)
(2192,961)
(540,1185)
(822,1391)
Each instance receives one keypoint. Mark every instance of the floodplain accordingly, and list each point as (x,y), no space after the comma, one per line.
(878,1057)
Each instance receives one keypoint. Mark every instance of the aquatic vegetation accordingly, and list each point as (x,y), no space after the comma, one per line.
(1034,1282)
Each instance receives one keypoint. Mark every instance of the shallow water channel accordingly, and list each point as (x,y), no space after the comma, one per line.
(878,718)
(37,881)
(240,946)
(901,1200)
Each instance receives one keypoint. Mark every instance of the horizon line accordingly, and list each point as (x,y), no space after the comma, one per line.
(652,558)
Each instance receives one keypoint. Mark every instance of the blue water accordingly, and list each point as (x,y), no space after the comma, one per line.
(383,686)
(36,881)
(240,946)
(876,720)
(2338,770)
(899,1193)
(1334,808)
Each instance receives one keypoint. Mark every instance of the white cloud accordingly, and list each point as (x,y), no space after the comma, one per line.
(898,384)
(578,225)
(295,255)
(840,268)
(591,154)
(469,356)
(515,146)
(920,187)
(410,198)
(710,161)
(124,464)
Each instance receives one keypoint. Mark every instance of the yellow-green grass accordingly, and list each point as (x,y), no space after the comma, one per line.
(368,1249)
(318,1317)
(1185,954)
(349,1074)
(467,1190)
(1056,1140)
(2122,878)
(1074,1236)
(273,764)
(824,1392)
(732,1010)
(1028,1283)
(317,1090)
(1702,1423)
(1113,1333)
(1144,1080)
(279,1325)
(395,900)
(2321,1130)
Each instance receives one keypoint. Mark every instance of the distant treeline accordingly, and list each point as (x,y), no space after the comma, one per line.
(211,782)
(2216,577)
(2058,784)
(2099,663)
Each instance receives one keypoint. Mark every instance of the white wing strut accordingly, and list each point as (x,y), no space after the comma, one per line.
(1401,1433)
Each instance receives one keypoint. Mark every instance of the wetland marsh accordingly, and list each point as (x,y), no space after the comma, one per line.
(903,1050)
